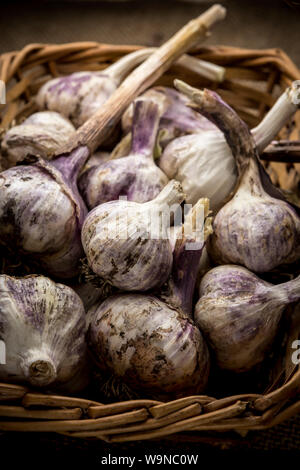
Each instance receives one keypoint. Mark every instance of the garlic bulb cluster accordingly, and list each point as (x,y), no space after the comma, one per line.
(257,228)
(127,244)
(150,341)
(41,212)
(203,162)
(43,327)
(79,95)
(239,314)
(136,176)
(41,134)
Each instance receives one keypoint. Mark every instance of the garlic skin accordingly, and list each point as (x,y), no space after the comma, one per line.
(42,134)
(203,162)
(239,314)
(135,176)
(41,212)
(79,95)
(125,246)
(151,346)
(257,228)
(43,327)
(97,158)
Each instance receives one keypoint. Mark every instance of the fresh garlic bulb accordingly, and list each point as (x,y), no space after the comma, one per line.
(135,176)
(79,95)
(239,314)
(41,212)
(175,117)
(151,341)
(127,244)
(43,327)
(257,228)
(40,134)
(203,162)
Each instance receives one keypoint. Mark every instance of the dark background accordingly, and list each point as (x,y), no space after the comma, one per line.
(252,24)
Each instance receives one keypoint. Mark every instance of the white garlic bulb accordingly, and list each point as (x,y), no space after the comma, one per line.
(42,134)
(43,327)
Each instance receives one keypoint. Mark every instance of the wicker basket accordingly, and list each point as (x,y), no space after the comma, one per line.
(254,79)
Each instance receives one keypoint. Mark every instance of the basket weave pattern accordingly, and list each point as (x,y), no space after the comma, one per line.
(254,79)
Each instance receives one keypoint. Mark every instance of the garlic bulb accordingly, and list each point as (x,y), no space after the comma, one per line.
(41,212)
(43,327)
(175,117)
(135,176)
(239,314)
(150,341)
(40,134)
(203,162)
(126,243)
(257,228)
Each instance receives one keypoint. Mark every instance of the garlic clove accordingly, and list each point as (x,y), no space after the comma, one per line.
(43,327)
(135,176)
(239,314)
(126,243)
(42,134)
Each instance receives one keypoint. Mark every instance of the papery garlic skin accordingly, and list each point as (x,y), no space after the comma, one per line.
(152,347)
(125,247)
(201,171)
(41,214)
(43,327)
(42,134)
(136,176)
(239,314)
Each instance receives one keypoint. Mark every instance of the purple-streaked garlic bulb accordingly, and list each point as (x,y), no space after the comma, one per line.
(175,117)
(239,314)
(257,228)
(150,341)
(127,244)
(41,212)
(42,134)
(43,326)
(136,176)
(79,95)
(204,163)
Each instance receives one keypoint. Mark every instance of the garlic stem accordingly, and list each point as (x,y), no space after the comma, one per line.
(120,69)
(288,292)
(284,108)
(171,194)
(39,368)
(146,118)
(187,255)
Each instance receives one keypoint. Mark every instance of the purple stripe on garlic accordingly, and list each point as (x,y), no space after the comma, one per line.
(135,176)
(239,314)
